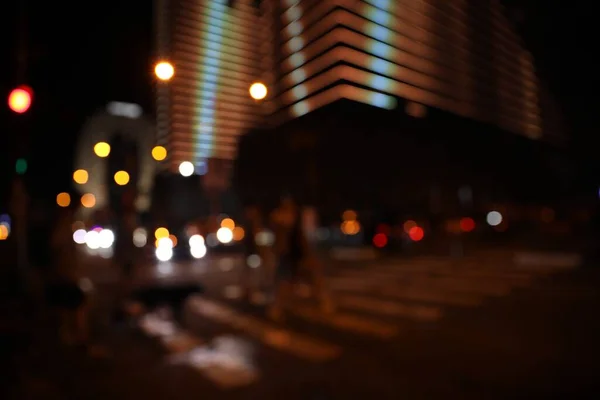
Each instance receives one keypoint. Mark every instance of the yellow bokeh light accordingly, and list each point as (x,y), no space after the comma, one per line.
(161,233)
(258,91)
(159,153)
(63,199)
(81,176)
(121,178)
(88,200)
(238,233)
(164,70)
(3,232)
(102,149)
(228,223)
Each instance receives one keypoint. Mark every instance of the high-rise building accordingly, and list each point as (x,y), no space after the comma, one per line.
(215,48)
(459,56)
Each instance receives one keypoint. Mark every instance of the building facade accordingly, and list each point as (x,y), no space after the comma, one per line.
(459,56)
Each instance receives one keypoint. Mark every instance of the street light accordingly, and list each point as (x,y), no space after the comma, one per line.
(121,178)
(186,169)
(63,199)
(258,91)
(102,149)
(81,176)
(164,71)
(159,153)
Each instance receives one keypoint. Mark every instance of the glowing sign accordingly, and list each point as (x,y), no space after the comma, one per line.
(126,110)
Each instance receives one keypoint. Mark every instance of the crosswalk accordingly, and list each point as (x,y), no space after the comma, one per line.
(375,301)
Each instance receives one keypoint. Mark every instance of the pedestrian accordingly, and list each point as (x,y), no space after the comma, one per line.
(293,257)
(285,220)
(253,225)
(125,251)
(312,267)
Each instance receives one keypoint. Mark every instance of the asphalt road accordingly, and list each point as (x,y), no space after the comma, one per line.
(418,328)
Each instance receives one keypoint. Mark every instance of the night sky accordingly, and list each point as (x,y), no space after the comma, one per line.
(80,58)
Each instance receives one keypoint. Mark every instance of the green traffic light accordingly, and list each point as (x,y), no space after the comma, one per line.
(21,166)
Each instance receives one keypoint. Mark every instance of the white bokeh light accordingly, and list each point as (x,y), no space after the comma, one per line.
(254,261)
(494,218)
(106,238)
(198,251)
(196,241)
(265,238)
(92,240)
(258,91)
(186,168)
(165,242)
(164,70)
(224,235)
(164,253)
(140,237)
(79,236)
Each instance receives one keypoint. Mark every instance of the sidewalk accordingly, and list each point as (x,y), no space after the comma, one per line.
(35,365)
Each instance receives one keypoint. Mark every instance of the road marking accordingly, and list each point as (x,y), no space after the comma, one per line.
(554,261)
(447,284)
(181,342)
(223,369)
(389,308)
(222,362)
(350,284)
(483,287)
(347,322)
(392,274)
(432,296)
(281,339)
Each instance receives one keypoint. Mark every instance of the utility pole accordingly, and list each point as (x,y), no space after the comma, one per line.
(19,101)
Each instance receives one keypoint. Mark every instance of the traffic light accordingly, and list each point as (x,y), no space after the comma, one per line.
(21,166)
(19,99)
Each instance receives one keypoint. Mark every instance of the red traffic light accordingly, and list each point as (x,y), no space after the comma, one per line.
(19,100)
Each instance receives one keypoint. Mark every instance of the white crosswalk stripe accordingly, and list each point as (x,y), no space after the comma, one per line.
(389,308)
(377,301)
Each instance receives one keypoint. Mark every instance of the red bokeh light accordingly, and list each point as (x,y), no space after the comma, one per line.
(416,233)
(19,100)
(380,240)
(467,224)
